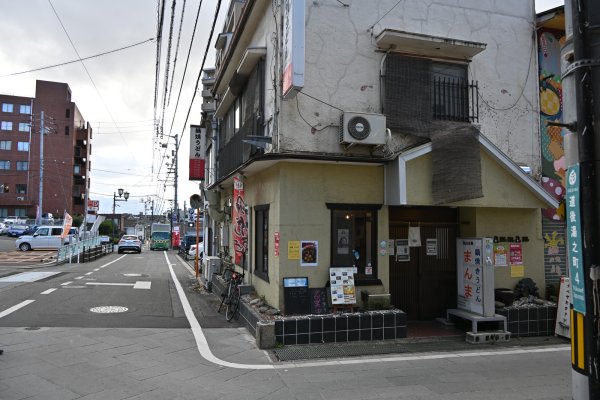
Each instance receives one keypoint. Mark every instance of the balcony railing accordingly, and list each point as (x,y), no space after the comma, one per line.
(455,100)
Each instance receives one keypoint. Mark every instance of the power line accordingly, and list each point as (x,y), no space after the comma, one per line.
(167,64)
(176,52)
(81,59)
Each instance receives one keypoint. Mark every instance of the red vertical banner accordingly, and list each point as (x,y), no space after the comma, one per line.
(240,221)
(277,238)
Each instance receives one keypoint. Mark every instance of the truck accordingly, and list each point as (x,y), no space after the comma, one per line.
(160,236)
(140,232)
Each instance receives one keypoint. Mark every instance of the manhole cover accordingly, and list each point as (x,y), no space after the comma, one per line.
(108,309)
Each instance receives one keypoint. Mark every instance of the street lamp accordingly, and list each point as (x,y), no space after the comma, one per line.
(125,196)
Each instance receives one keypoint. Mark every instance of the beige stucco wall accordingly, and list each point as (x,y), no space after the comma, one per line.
(500,188)
(297,193)
(490,222)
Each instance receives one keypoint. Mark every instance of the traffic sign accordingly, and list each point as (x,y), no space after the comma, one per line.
(574,232)
(196,201)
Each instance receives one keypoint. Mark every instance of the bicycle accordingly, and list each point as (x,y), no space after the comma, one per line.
(231,296)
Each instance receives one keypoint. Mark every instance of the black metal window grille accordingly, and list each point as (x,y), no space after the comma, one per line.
(455,99)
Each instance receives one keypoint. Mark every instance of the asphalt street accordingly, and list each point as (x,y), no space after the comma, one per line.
(137,326)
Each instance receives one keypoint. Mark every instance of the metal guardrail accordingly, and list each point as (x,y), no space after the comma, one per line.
(73,252)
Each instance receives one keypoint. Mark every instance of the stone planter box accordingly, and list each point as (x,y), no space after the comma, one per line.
(311,329)
(532,320)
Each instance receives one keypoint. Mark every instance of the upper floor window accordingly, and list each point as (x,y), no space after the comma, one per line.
(25,109)
(66,130)
(4,165)
(5,144)
(77,169)
(451,92)
(23,127)
(7,107)
(4,188)
(3,212)
(68,113)
(21,188)
(6,126)
(20,212)
(23,146)
(22,165)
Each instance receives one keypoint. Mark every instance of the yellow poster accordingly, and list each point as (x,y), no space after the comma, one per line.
(294,250)
(517,271)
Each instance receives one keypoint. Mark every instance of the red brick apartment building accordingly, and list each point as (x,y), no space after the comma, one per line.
(66,151)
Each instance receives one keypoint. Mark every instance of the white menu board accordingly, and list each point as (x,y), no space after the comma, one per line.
(341,280)
(470,275)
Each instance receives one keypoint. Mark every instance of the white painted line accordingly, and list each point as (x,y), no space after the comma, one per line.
(29,276)
(79,277)
(142,285)
(89,273)
(132,274)
(66,283)
(48,291)
(137,285)
(15,308)
(206,353)
(97,269)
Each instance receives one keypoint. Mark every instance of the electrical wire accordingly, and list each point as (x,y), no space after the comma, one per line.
(82,59)
(167,65)
(176,52)
(384,15)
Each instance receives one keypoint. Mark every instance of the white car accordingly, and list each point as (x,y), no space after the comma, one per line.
(3,228)
(191,254)
(46,237)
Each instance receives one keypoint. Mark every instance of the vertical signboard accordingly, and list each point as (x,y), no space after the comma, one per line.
(293,47)
(240,221)
(470,275)
(574,233)
(197,133)
(93,205)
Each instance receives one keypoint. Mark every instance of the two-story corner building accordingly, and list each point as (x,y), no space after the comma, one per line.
(372,135)
(66,149)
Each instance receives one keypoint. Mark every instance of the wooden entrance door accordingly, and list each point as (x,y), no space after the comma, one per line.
(425,286)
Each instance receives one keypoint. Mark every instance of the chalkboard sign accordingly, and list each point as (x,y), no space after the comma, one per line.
(296,296)
(318,301)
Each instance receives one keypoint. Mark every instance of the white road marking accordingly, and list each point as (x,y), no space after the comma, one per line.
(137,285)
(29,276)
(206,353)
(48,291)
(132,274)
(15,308)
(97,269)
(66,283)
(79,277)
(89,273)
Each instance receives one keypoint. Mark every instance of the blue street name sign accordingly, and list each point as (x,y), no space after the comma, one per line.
(574,232)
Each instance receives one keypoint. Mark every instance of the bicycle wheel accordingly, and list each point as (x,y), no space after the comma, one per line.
(234,303)
(225,295)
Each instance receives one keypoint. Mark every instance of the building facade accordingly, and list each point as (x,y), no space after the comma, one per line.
(372,135)
(63,176)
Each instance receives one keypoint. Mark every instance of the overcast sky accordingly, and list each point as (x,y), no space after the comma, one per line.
(118,99)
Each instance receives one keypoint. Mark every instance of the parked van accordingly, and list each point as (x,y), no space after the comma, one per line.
(14,220)
(46,237)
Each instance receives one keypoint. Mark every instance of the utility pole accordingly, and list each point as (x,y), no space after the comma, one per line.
(175,154)
(41,189)
(583,177)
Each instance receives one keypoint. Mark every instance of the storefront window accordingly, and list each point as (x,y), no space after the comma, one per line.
(354,238)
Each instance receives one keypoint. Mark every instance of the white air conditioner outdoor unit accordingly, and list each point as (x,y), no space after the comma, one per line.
(213,265)
(20,198)
(362,128)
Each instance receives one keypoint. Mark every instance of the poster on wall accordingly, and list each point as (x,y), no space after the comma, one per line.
(402,250)
(294,250)
(240,221)
(343,245)
(341,281)
(515,251)
(277,241)
(309,253)
(431,247)
(500,256)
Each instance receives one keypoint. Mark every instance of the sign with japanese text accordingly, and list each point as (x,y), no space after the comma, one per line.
(342,285)
(574,233)
(500,259)
(293,46)
(294,250)
(240,221)
(515,253)
(197,152)
(93,205)
(470,275)
(402,250)
(277,240)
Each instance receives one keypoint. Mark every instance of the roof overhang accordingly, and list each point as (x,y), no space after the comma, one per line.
(427,45)
(494,152)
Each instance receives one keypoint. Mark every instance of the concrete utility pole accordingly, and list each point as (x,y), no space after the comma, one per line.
(585,314)
(41,189)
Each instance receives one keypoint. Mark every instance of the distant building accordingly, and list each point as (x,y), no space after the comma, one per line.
(66,150)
